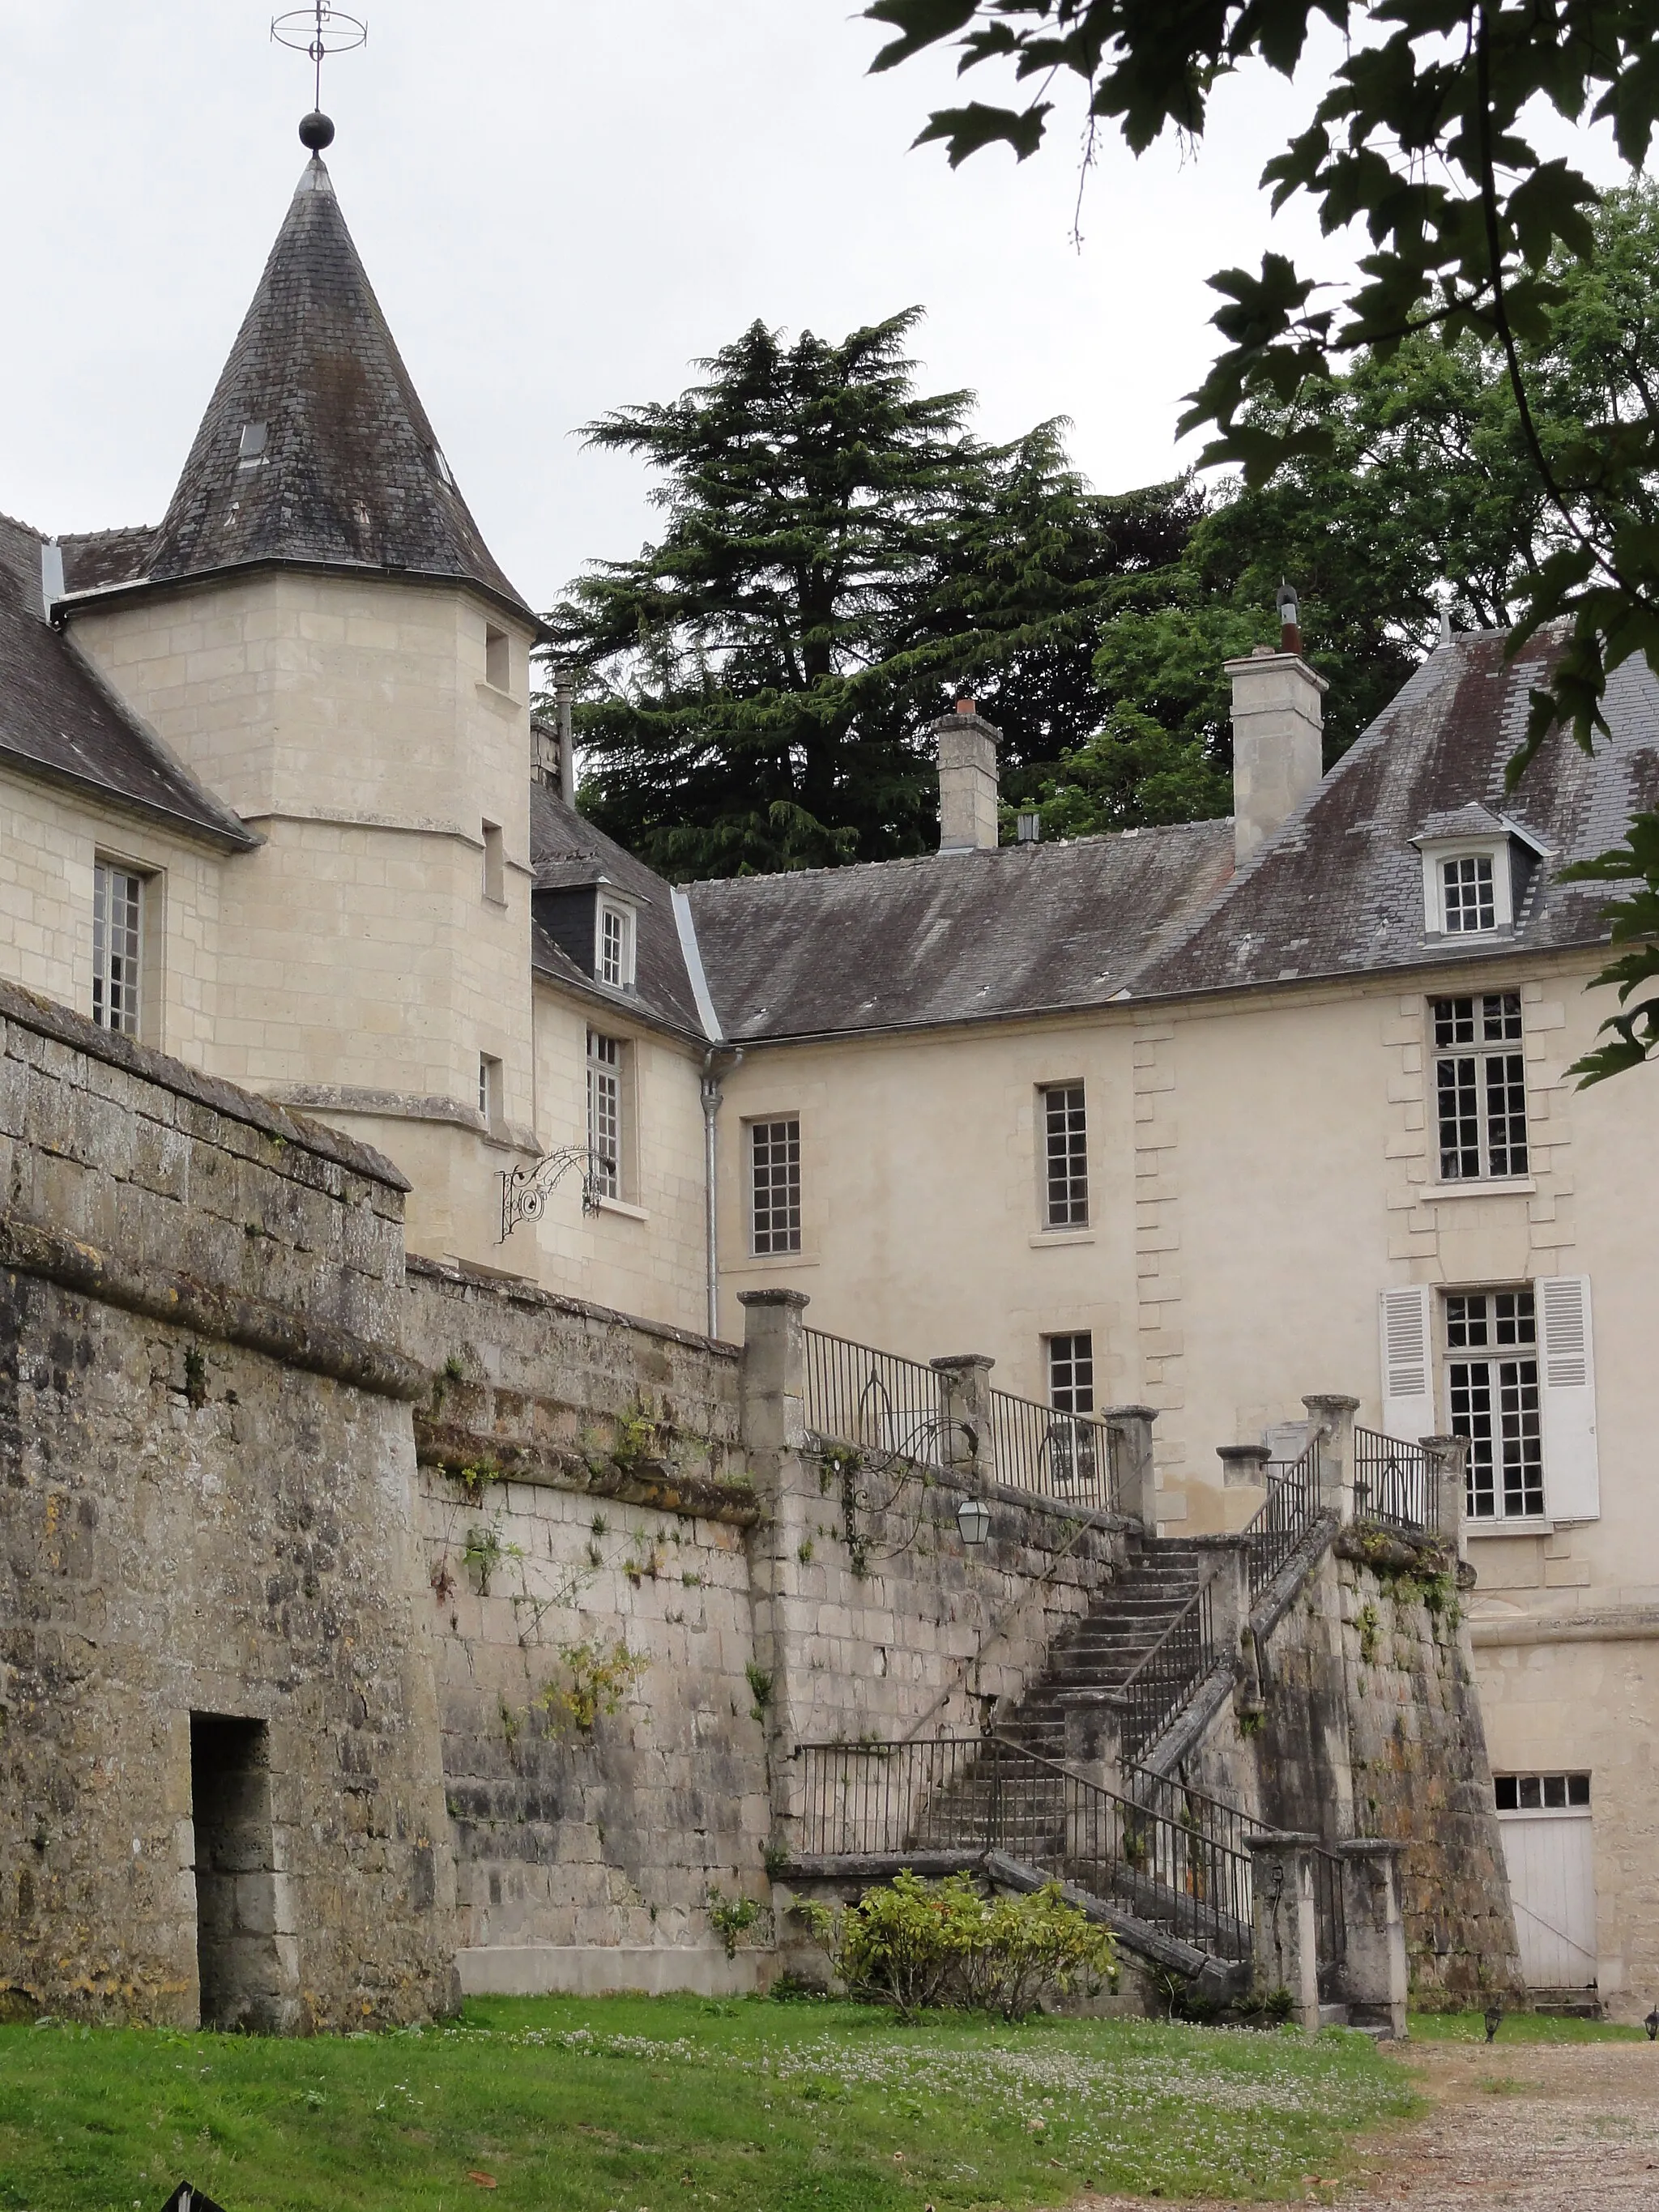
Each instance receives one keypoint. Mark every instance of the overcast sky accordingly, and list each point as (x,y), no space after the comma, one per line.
(561,204)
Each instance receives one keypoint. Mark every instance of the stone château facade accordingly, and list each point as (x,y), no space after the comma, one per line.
(1193,1120)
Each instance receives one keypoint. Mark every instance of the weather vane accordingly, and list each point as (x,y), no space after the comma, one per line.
(317,32)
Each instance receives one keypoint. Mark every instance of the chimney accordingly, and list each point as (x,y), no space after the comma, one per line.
(967,780)
(564,701)
(1277,725)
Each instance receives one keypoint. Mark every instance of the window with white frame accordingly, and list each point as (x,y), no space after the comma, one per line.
(1469,896)
(1066,1157)
(1481,1086)
(1071,1372)
(117,925)
(605,1113)
(1540,1793)
(489,1090)
(1492,1399)
(774,1186)
(615,951)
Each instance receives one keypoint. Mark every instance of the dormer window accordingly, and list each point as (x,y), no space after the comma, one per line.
(1467,896)
(614,952)
(251,452)
(1477,866)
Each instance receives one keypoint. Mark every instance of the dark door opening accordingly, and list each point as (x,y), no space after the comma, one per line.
(236,1948)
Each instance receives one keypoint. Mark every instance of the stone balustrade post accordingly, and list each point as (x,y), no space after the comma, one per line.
(964,1388)
(1131,1430)
(772,1392)
(1332,1415)
(1451,1456)
(1094,1734)
(1374,1972)
(772,1378)
(1285,1936)
(1244,1467)
(1230,1608)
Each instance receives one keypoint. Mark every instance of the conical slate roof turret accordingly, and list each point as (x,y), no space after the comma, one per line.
(315,448)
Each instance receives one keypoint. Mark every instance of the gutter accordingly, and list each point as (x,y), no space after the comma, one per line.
(719,1050)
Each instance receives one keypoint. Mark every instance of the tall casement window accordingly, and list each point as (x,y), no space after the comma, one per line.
(1492,1398)
(616,947)
(1480,1087)
(118,922)
(604,1119)
(1468,899)
(1065,1155)
(774,1186)
(1071,1372)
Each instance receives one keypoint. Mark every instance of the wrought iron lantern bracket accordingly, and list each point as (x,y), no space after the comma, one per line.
(525,1191)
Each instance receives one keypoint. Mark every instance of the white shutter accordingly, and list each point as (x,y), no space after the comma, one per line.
(1408,1363)
(1566,1381)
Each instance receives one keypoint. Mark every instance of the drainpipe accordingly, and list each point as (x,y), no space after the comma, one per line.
(711,1106)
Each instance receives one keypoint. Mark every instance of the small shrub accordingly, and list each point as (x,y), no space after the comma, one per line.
(915,1944)
(485,1551)
(733,1916)
(600,1677)
(760,1688)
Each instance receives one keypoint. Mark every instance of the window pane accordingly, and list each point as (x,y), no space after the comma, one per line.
(605,1113)
(1579,1790)
(1506,1113)
(774,1185)
(613,947)
(117,907)
(1503,1787)
(1467,887)
(1068,1156)
(1454,1021)
(1071,1373)
(1522,1447)
(1460,1120)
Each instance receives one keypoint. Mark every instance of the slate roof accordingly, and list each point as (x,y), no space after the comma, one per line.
(567,853)
(953,937)
(1338,889)
(349,475)
(57,720)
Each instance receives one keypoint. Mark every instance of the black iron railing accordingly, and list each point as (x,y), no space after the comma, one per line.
(1396,1485)
(1168,1860)
(871,1401)
(1290,1510)
(1067,1457)
(1163,1680)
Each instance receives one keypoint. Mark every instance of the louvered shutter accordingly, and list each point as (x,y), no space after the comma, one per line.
(1408,1363)
(1566,1380)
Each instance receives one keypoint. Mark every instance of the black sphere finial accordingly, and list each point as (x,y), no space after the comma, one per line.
(316,130)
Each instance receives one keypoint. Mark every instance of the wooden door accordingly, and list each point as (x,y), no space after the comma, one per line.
(1551,1864)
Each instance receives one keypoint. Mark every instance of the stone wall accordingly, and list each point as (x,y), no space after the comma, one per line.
(1368,1724)
(208,1659)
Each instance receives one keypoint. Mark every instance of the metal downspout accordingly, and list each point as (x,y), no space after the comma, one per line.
(711,1106)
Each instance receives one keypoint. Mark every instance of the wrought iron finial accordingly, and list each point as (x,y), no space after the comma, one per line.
(317,32)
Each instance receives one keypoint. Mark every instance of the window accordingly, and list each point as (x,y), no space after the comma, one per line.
(1480,1087)
(1491,1387)
(1071,1373)
(605,1113)
(616,947)
(1066,1201)
(1540,1793)
(774,1185)
(494,865)
(118,910)
(1468,898)
(498,665)
(489,1090)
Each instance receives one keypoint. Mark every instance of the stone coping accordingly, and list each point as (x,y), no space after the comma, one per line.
(46,1017)
(519,1290)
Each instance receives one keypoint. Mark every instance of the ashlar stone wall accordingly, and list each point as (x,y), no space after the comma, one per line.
(219,1770)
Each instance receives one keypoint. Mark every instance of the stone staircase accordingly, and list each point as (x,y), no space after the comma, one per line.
(1126,1620)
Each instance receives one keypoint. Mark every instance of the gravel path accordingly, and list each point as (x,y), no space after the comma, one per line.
(1538,2127)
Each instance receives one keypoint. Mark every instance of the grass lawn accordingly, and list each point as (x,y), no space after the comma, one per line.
(651,2105)
(1518,2027)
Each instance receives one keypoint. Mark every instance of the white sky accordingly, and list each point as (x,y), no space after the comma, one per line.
(561,204)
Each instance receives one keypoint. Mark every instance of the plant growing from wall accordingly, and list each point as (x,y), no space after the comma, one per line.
(1369,1626)
(600,1676)
(485,1549)
(734,1917)
(760,1688)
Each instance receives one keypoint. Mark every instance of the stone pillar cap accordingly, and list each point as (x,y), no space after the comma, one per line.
(1127,1413)
(963,1360)
(1338,1400)
(1244,1451)
(1282,1840)
(773,1299)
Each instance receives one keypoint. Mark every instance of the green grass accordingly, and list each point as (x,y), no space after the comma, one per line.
(612,2105)
(1518,2027)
